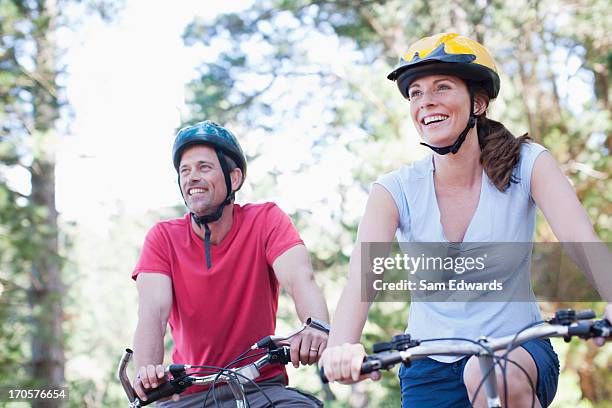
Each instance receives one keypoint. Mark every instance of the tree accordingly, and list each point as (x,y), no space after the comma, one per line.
(271,49)
(31,108)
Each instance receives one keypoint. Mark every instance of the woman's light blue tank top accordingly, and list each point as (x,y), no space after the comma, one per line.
(507,216)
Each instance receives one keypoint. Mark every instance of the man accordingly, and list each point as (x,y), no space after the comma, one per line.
(214,274)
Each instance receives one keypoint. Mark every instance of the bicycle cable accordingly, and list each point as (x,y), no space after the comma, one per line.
(530,325)
(237,360)
(250,381)
(497,362)
(240,358)
(221,371)
(531,385)
(511,346)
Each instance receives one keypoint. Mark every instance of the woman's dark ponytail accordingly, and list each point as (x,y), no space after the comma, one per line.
(500,151)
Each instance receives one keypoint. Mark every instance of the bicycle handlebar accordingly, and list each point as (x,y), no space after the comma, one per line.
(180,380)
(167,389)
(180,383)
(584,330)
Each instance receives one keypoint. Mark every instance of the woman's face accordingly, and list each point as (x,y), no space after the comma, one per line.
(439,107)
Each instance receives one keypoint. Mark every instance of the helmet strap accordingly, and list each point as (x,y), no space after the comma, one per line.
(208,218)
(454,148)
(226,174)
(199,221)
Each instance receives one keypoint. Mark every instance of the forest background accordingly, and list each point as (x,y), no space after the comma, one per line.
(93,91)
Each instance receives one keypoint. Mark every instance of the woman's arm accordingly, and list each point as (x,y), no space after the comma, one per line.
(556,198)
(340,360)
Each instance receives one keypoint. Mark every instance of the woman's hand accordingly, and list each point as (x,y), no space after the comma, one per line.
(343,364)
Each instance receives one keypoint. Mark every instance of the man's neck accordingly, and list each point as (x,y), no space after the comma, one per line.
(219,228)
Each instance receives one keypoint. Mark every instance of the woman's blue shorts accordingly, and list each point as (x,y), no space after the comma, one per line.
(430,383)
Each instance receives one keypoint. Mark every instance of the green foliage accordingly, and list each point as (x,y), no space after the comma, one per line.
(357,131)
(364,118)
(31,281)
(15,251)
(102,309)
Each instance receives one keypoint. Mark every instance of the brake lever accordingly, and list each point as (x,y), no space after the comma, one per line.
(318,324)
(602,328)
(271,342)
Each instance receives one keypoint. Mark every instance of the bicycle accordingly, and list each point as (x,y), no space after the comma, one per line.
(567,323)
(235,378)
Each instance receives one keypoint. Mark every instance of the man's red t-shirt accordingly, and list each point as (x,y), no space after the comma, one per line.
(219,313)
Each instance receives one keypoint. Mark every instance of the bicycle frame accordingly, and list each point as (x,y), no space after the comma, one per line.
(483,350)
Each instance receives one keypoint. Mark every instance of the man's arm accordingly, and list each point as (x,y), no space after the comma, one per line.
(295,275)
(154,304)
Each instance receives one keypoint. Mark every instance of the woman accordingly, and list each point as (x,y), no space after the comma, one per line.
(480,185)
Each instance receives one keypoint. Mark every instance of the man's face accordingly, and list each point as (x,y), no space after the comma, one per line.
(201,179)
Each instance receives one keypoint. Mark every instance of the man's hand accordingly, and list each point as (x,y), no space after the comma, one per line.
(307,346)
(148,378)
(600,341)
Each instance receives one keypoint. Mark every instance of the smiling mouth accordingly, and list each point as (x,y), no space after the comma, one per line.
(193,191)
(428,120)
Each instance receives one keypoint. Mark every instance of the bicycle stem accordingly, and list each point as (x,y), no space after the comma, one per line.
(487,370)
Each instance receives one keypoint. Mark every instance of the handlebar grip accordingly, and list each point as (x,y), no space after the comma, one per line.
(588,330)
(167,389)
(582,330)
(369,365)
(285,355)
(266,342)
(585,314)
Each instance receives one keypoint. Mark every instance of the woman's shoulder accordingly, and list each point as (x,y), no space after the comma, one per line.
(530,149)
(408,173)
(523,169)
(529,153)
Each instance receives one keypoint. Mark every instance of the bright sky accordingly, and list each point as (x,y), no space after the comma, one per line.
(126,87)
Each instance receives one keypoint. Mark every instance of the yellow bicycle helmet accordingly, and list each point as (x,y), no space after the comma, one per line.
(450,54)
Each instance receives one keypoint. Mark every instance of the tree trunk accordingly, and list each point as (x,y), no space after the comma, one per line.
(46,290)
(588,383)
